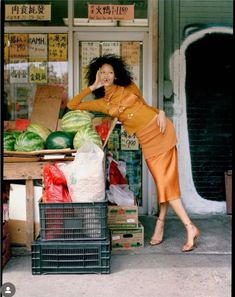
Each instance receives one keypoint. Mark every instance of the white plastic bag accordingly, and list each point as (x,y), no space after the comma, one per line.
(120,195)
(85,174)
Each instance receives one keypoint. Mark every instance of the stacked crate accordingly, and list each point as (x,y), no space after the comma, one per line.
(126,230)
(74,239)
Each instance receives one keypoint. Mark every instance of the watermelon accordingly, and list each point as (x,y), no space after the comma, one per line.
(59,140)
(73,120)
(39,129)
(15,133)
(86,134)
(8,141)
(29,141)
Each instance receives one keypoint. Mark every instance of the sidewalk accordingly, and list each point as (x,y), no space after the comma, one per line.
(159,271)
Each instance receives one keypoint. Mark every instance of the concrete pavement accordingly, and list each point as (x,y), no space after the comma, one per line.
(159,271)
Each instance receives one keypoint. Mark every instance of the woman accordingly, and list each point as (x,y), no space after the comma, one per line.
(111,82)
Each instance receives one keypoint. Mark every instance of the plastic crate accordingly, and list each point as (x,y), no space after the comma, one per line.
(73,221)
(75,257)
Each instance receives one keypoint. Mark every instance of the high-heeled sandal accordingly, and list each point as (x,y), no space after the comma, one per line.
(156,241)
(188,246)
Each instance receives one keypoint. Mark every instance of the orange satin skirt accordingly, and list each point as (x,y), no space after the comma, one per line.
(160,154)
(164,169)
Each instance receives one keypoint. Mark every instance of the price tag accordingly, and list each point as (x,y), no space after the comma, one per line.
(128,142)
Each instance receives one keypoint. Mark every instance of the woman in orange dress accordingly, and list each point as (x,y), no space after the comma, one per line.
(111,82)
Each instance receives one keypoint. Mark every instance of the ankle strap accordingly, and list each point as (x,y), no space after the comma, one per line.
(189,224)
(160,220)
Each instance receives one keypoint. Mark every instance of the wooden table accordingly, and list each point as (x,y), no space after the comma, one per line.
(27,171)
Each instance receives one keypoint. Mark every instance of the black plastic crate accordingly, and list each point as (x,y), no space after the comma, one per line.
(76,257)
(73,221)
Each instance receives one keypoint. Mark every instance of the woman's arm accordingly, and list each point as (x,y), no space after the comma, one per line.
(161,117)
(76,100)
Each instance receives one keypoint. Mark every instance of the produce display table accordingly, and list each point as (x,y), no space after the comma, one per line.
(28,167)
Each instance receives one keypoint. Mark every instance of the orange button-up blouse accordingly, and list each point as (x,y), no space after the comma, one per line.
(125,103)
(128,105)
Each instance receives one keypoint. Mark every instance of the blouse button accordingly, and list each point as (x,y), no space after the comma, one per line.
(121,109)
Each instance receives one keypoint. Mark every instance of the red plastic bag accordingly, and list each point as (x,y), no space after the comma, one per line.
(55,185)
(103,130)
(115,175)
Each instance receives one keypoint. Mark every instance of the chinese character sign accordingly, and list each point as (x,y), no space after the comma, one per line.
(18,46)
(58,47)
(110,12)
(111,47)
(18,71)
(38,72)
(27,12)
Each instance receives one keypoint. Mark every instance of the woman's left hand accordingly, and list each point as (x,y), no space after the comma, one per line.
(161,121)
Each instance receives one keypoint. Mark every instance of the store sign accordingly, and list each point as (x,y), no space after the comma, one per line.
(110,12)
(128,142)
(27,12)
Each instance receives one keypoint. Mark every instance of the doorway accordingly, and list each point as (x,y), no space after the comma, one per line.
(208,87)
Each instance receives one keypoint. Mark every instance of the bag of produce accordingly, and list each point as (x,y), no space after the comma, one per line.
(85,175)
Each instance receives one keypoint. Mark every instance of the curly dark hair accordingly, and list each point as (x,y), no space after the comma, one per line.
(123,75)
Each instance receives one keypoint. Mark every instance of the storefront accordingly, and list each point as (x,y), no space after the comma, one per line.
(52,43)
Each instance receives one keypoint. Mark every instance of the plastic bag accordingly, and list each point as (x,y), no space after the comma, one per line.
(85,175)
(120,195)
(116,172)
(103,130)
(55,185)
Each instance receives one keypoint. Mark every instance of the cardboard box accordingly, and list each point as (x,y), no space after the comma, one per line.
(17,213)
(128,239)
(122,216)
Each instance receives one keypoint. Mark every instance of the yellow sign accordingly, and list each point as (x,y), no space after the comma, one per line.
(5,48)
(18,46)
(27,12)
(58,47)
(110,12)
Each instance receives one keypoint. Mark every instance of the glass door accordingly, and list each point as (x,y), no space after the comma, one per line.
(132,47)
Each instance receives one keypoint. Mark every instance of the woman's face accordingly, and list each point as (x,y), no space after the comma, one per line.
(107,75)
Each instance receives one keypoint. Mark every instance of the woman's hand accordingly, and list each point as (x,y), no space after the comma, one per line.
(98,83)
(161,121)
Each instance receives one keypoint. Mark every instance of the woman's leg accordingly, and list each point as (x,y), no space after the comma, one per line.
(192,231)
(159,227)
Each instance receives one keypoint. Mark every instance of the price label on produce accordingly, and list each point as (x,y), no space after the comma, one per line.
(128,142)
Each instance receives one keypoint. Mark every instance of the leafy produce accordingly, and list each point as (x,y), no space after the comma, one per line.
(86,134)
(39,129)
(73,120)
(29,141)
(59,140)
(8,142)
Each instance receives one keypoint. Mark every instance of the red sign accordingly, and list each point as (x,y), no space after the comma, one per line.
(110,12)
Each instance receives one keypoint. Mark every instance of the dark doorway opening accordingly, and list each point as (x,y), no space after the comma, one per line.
(209,112)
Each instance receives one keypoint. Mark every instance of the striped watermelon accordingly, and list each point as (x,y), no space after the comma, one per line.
(39,129)
(73,120)
(86,134)
(29,141)
(8,142)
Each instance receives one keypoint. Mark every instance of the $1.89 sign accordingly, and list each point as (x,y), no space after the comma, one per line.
(128,142)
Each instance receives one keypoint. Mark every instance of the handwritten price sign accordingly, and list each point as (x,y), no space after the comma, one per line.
(128,142)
